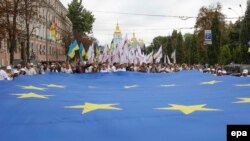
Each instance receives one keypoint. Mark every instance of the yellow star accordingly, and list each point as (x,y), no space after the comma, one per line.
(188,109)
(242,85)
(210,82)
(168,85)
(243,100)
(33,88)
(55,86)
(89,107)
(132,86)
(32,95)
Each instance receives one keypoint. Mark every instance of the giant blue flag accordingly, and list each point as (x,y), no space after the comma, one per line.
(187,105)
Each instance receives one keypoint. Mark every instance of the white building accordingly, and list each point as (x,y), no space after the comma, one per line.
(117,37)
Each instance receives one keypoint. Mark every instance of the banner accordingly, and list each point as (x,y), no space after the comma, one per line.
(182,106)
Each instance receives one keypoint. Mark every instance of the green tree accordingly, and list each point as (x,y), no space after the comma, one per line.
(180,52)
(81,18)
(236,54)
(29,16)
(225,55)
(10,10)
(214,49)
(209,18)
(245,34)
(191,56)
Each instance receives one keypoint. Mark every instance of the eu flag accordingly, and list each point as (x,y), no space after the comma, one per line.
(186,105)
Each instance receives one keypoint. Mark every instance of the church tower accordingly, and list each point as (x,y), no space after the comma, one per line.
(117,38)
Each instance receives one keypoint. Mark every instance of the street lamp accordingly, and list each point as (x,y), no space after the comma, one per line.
(234,11)
(240,18)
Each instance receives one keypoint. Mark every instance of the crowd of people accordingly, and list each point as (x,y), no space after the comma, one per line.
(10,73)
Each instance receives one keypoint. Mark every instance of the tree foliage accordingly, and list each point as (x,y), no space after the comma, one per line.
(81,18)
(229,40)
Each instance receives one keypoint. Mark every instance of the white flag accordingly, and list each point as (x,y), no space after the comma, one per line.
(158,55)
(91,54)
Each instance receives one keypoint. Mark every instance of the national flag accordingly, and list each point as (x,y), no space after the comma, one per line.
(72,48)
(91,54)
(169,62)
(82,52)
(173,56)
(149,58)
(97,53)
(106,53)
(158,55)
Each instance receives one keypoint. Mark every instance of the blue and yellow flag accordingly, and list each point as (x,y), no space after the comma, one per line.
(72,48)
(122,107)
(82,51)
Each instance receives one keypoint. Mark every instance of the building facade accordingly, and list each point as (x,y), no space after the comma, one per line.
(47,41)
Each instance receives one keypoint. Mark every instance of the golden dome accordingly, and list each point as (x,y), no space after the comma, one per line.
(117,29)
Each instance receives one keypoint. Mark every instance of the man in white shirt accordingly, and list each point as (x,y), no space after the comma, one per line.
(245,73)
(104,68)
(121,69)
(9,73)
(30,70)
(3,75)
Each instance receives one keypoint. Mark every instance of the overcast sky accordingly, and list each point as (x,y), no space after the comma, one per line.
(148,27)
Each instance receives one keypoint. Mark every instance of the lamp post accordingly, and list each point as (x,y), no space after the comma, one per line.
(234,12)
(240,18)
(46,36)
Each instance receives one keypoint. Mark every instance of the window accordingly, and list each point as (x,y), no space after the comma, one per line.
(1,43)
(44,50)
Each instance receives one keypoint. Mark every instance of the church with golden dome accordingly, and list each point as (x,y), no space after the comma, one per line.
(133,42)
(117,37)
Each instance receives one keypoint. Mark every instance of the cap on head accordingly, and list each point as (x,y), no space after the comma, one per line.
(245,71)
(22,69)
(16,72)
(224,72)
(8,67)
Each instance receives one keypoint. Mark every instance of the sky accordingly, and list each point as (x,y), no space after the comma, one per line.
(148,27)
